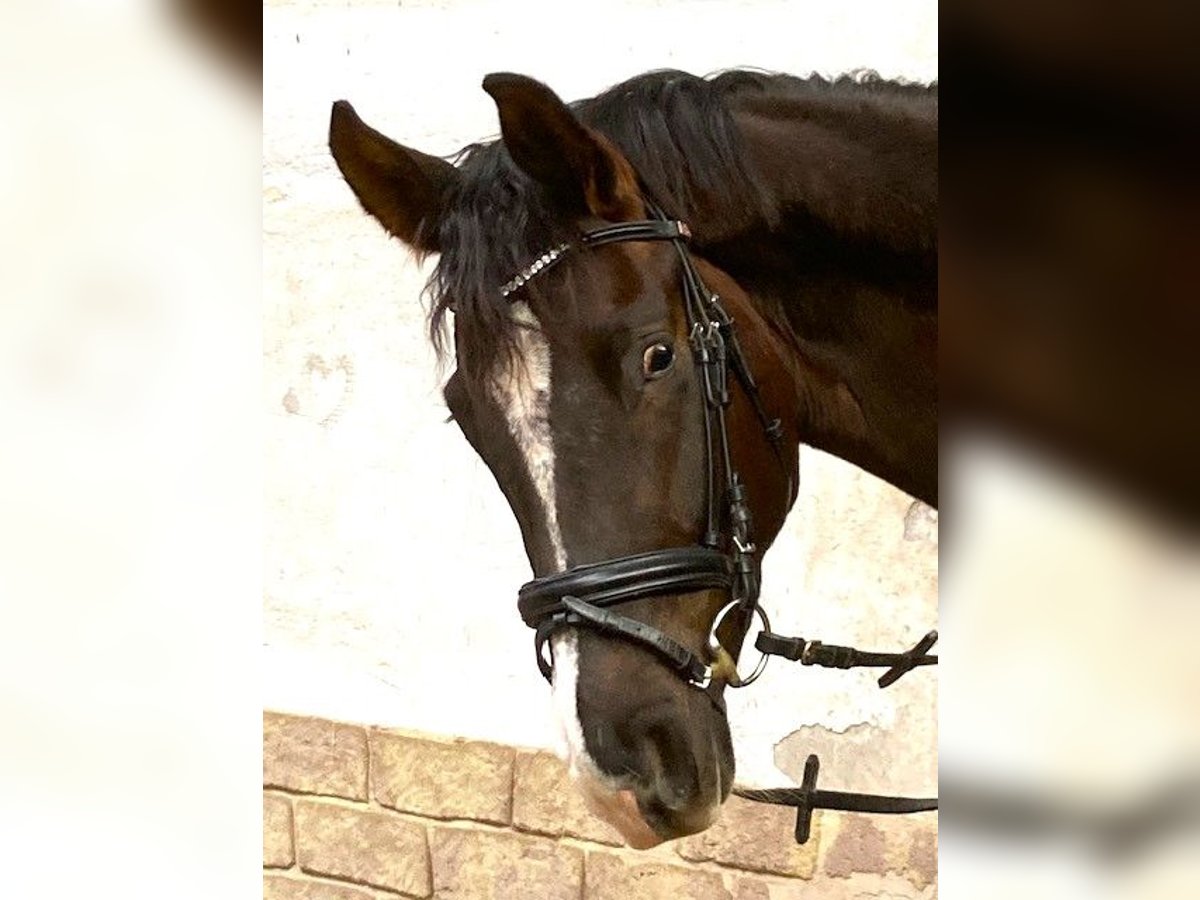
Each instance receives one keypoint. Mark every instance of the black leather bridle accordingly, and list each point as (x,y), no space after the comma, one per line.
(723,559)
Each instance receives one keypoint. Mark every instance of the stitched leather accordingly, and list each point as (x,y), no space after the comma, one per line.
(674,653)
(676,570)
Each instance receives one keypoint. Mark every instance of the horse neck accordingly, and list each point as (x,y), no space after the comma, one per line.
(846,271)
(865,378)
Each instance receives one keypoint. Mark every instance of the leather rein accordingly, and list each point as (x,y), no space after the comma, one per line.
(724,559)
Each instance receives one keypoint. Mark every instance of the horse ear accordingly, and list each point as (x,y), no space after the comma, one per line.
(582,170)
(402,188)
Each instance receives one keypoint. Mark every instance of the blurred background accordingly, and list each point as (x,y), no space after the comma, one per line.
(1070,579)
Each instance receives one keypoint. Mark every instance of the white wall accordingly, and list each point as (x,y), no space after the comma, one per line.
(392,561)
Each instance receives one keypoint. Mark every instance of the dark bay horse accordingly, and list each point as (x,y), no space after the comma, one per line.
(812,211)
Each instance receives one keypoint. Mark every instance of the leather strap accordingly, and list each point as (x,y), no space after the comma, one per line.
(674,570)
(833,656)
(807,798)
(679,657)
(647,230)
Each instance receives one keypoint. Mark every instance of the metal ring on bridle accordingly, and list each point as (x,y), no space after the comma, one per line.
(715,647)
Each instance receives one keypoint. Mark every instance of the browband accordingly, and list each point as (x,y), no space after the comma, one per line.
(649,230)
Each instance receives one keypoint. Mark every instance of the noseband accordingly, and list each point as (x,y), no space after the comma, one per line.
(724,558)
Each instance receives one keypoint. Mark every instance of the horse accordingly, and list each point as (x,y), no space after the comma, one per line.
(654,295)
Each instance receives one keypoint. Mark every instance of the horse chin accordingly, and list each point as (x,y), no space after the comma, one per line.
(620,810)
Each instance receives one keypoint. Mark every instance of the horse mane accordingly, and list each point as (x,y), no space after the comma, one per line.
(678,132)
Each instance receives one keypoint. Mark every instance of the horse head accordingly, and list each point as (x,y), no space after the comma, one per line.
(581,380)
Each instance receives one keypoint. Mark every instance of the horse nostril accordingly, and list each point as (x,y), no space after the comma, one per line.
(671,767)
(674,798)
(669,797)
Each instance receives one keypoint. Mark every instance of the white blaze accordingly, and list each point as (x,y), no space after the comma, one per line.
(523,393)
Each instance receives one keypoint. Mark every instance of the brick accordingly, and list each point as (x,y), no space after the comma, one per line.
(546,802)
(277,831)
(489,865)
(619,876)
(859,844)
(757,837)
(860,887)
(856,887)
(455,779)
(361,845)
(856,845)
(921,860)
(769,887)
(314,756)
(750,888)
(283,887)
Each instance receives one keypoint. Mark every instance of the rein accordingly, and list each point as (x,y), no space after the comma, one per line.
(724,559)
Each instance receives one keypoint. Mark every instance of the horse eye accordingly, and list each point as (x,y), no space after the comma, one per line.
(657,360)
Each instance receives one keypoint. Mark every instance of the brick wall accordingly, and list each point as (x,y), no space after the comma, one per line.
(352,812)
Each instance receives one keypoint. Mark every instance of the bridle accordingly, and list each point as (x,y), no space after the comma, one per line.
(723,559)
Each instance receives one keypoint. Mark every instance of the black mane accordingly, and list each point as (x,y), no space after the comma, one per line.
(676,130)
